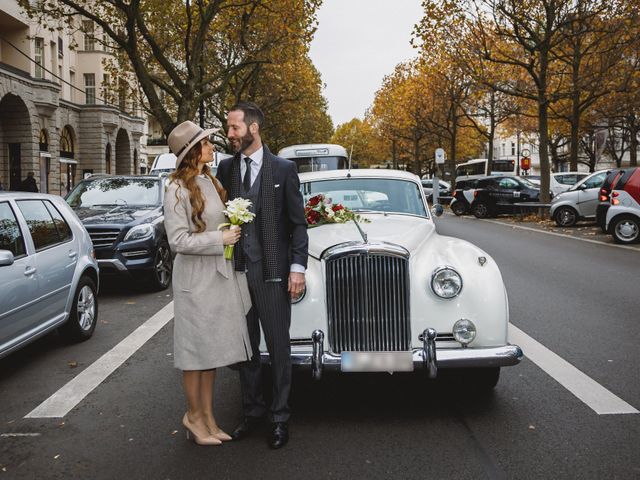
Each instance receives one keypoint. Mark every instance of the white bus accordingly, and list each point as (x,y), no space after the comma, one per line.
(316,156)
(477,168)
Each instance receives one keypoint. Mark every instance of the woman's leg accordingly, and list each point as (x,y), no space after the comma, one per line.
(208,380)
(195,419)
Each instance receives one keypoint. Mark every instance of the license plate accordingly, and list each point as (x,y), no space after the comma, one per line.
(377,362)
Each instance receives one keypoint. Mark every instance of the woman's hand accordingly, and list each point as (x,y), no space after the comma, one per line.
(231,235)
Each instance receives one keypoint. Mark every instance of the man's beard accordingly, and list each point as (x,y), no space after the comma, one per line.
(245,141)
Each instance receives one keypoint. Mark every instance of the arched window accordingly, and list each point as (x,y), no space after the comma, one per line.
(44,141)
(66,143)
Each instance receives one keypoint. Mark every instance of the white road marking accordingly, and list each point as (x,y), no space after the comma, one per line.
(588,240)
(70,395)
(594,395)
(587,390)
(10,435)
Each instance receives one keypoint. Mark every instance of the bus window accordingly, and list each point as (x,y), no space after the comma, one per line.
(316,157)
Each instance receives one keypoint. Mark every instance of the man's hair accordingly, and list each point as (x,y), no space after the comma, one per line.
(252,112)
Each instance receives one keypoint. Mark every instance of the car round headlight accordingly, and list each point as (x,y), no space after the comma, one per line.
(446,282)
(299,299)
(464,331)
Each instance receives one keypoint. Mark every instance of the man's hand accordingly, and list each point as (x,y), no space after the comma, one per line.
(296,284)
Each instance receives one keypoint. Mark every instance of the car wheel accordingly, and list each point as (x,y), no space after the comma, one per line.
(160,276)
(626,229)
(565,217)
(481,210)
(458,208)
(84,312)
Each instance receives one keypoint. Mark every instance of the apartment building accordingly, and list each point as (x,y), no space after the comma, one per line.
(61,115)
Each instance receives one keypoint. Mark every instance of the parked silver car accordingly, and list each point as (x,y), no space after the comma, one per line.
(579,202)
(48,272)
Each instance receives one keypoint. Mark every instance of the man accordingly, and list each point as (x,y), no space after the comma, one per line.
(29,184)
(273,253)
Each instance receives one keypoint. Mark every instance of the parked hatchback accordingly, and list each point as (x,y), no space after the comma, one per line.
(124,216)
(48,272)
(623,217)
(579,202)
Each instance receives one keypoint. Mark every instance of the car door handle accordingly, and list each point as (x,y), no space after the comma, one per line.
(72,254)
(29,271)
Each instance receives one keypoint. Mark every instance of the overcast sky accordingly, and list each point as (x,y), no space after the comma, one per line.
(357,43)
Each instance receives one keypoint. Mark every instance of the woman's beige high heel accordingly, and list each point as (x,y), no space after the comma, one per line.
(210,440)
(221,435)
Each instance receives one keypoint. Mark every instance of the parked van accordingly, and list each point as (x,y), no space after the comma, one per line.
(166,163)
(315,157)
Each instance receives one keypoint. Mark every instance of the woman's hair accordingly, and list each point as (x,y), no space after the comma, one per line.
(186,173)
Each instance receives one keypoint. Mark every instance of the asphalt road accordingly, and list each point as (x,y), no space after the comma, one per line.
(578,299)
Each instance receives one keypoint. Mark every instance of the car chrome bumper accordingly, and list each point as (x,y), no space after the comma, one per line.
(427,358)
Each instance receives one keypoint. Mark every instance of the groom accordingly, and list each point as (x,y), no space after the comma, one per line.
(273,253)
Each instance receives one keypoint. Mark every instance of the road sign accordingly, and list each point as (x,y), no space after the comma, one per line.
(440,156)
(525,152)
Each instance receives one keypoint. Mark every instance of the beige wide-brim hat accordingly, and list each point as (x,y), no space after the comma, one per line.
(185,136)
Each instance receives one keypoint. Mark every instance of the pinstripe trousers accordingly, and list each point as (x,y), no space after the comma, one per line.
(271,308)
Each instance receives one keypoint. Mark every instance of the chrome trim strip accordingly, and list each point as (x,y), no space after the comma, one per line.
(112,262)
(356,248)
(504,356)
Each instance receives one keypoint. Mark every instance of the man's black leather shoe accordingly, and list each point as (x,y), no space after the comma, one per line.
(279,435)
(248,425)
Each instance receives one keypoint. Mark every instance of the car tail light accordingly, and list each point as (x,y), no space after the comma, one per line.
(475,194)
(604,198)
(614,199)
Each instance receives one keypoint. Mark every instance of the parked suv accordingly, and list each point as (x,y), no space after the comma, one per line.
(579,202)
(124,216)
(623,217)
(499,194)
(48,272)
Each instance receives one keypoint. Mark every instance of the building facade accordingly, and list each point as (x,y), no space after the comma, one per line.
(61,115)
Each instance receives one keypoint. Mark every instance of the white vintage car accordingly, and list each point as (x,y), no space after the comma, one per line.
(391,295)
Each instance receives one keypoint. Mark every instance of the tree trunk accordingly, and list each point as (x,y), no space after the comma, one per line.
(575,132)
(543,126)
(634,128)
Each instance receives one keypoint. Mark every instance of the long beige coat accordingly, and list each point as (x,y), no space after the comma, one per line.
(210,298)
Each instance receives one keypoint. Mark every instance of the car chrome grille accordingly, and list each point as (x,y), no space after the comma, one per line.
(368,298)
(103,237)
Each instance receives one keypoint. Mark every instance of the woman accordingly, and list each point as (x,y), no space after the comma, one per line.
(210,298)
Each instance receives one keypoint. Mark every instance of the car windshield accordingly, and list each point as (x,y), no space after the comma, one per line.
(114,192)
(528,183)
(370,194)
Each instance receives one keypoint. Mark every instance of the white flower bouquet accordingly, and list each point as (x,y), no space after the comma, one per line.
(238,214)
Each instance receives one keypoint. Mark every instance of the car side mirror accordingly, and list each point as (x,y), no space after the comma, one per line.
(6,258)
(583,187)
(437,210)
